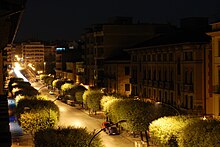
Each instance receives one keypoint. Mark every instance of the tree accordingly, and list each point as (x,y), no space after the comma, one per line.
(33,121)
(58,83)
(79,97)
(11,82)
(36,113)
(92,99)
(43,76)
(66,88)
(70,136)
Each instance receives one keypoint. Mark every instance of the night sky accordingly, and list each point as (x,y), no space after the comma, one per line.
(66,19)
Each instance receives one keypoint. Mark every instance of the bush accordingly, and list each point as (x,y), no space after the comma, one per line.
(201,133)
(185,131)
(65,137)
(36,114)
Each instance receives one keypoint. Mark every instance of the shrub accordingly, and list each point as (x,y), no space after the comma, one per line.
(66,137)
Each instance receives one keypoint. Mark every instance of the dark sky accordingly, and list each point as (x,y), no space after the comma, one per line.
(66,19)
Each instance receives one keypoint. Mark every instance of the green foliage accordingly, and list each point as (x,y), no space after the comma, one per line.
(201,133)
(66,87)
(164,129)
(185,131)
(37,111)
(93,99)
(65,137)
(33,121)
(79,96)
(49,80)
(13,80)
(85,97)
(43,76)
(138,114)
(105,100)
(57,83)
(27,91)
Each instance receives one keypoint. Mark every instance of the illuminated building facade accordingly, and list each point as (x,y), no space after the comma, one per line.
(102,41)
(174,69)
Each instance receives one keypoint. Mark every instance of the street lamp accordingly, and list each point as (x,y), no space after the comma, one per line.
(121,121)
(160,103)
(44,67)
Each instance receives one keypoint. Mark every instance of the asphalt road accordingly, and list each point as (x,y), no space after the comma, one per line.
(71,116)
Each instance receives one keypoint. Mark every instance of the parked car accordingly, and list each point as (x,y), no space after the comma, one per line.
(109,128)
(59,97)
(112,131)
(105,124)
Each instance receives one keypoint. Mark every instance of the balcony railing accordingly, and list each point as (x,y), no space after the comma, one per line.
(161,84)
(155,83)
(188,88)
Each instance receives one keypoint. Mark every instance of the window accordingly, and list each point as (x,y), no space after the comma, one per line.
(191,77)
(171,57)
(127,87)
(148,57)
(134,58)
(154,57)
(159,57)
(186,77)
(149,74)
(144,58)
(164,57)
(127,70)
(188,56)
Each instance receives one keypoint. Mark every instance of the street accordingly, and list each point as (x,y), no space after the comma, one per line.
(71,116)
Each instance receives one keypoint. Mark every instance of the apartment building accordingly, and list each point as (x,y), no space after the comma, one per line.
(102,41)
(117,74)
(214,102)
(174,68)
(14,54)
(49,59)
(33,53)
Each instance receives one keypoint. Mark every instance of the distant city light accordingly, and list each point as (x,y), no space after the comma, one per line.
(60,49)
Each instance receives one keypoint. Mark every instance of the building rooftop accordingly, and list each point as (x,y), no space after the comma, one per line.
(174,38)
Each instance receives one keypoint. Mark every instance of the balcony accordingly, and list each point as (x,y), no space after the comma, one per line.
(133,80)
(161,84)
(156,83)
(150,83)
(188,88)
(167,85)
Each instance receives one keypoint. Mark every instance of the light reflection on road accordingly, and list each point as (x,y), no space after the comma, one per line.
(72,116)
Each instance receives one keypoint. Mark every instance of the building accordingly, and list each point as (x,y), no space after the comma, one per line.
(14,54)
(49,59)
(102,41)
(174,69)
(69,63)
(33,53)
(117,74)
(214,101)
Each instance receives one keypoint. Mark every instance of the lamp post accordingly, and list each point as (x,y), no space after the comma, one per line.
(121,121)
(160,103)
